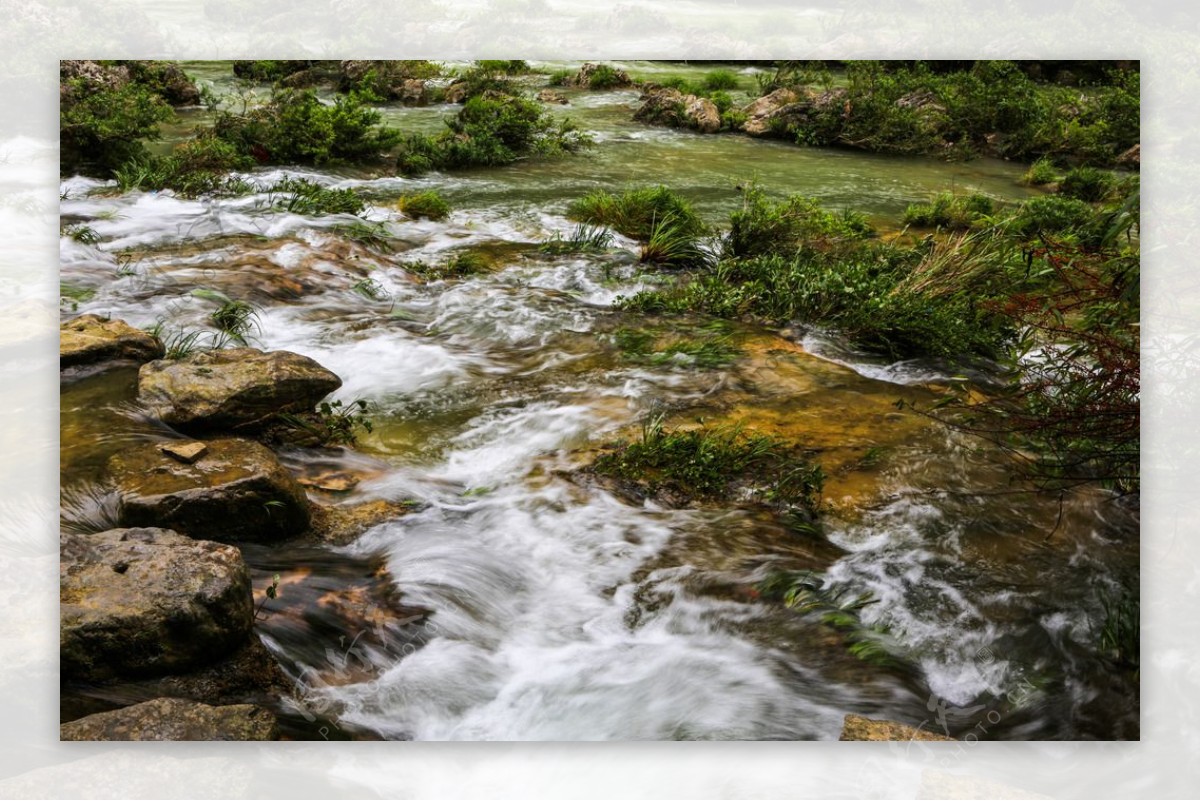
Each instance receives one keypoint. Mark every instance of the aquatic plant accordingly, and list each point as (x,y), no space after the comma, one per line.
(674,244)
(429,205)
(710,346)
(1089,184)
(582,239)
(637,211)
(762,227)
(605,77)
(236,318)
(302,196)
(195,167)
(721,79)
(1041,172)
(83,234)
(333,423)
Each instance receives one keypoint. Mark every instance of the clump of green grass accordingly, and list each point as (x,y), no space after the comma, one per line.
(712,463)
(83,234)
(235,318)
(370,289)
(1040,173)
(302,196)
(560,78)
(1088,184)
(429,205)
(198,166)
(950,211)
(1051,216)
(763,227)
(582,239)
(512,67)
(636,212)
(712,347)
(604,76)
(371,234)
(459,265)
(720,80)
(674,244)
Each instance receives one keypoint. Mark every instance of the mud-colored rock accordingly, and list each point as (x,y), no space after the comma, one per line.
(552,96)
(186,452)
(238,491)
(342,525)
(1131,157)
(674,109)
(759,113)
(175,719)
(147,601)
(236,389)
(586,78)
(90,339)
(855,727)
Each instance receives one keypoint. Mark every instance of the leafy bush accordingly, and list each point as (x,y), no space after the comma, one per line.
(720,79)
(560,78)
(102,128)
(297,128)
(636,212)
(198,166)
(1050,215)
(1088,184)
(1040,173)
(490,131)
(515,67)
(428,204)
(605,77)
(761,227)
(950,211)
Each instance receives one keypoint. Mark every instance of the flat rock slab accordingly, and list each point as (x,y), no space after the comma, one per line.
(175,719)
(147,601)
(237,491)
(186,452)
(856,727)
(236,389)
(89,339)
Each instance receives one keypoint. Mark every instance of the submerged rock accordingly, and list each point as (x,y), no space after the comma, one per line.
(856,727)
(175,719)
(552,96)
(148,601)
(241,388)
(237,491)
(90,339)
(672,108)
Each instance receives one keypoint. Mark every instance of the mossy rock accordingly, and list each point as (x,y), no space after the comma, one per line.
(90,339)
(237,491)
(236,389)
(148,601)
(672,108)
(175,719)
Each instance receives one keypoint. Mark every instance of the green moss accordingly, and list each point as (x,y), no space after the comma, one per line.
(429,205)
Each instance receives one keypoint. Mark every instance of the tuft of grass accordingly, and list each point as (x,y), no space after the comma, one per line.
(429,205)
(714,347)
(83,234)
(720,80)
(762,227)
(674,244)
(370,234)
(1040,173)
(1120,631)
(460,265)
(711,463)
(583,239)
(636,212)
(302,196)
(370,289)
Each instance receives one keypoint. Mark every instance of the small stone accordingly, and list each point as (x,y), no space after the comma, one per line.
(186,452)
(331,482)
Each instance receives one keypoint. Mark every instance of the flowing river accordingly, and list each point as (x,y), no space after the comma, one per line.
(522,602)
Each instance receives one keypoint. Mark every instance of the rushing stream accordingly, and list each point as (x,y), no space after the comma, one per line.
(522,602)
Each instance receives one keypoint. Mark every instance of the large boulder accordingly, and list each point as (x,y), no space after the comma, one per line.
(236,389)
(670,107)
(147,601)
(599,76)
(759,113)
(166,79)
(237,491)
(89,339)
(175,719)
(392,80)
(855,727)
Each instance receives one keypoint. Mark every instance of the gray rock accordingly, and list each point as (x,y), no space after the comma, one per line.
(238,491)
(175,719)
(240,388)
(147,601)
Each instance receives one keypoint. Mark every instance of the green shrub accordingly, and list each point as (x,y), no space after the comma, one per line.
(489,131)
(1088,184)
(516,67)
(720,79)
(297,128)
(1040,173)
(950,211)
(102,128)
(761,227)
(722,101)
(428,204)
(560,78)
(636,212)
(195,167)
(605,77)
(1050,215)
(710,347)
